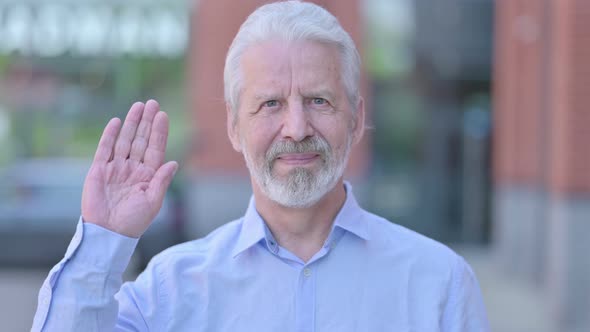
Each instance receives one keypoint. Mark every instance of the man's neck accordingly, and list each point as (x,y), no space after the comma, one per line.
(302,231)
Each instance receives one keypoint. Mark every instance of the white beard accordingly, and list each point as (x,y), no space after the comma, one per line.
(301,188)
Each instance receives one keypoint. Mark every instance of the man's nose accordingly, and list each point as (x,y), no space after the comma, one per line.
(296,123)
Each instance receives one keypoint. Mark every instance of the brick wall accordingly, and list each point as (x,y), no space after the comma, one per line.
(542,94)
(570,116)
(542,150)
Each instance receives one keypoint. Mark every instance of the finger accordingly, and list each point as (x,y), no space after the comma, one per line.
(156,150)
(123,144)
(161,181)
(107,141)
(142,135)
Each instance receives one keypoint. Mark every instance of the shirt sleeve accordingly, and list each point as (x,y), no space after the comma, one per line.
(465,310)
(78,294)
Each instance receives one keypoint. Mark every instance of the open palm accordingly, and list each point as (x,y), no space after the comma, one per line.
(127,182)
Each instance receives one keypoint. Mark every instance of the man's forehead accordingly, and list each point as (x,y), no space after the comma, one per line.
(282,53)
(268,61)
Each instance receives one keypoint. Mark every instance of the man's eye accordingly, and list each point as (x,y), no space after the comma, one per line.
(319,101)
(271,103)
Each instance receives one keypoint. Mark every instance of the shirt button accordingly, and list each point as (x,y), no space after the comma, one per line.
(307,272)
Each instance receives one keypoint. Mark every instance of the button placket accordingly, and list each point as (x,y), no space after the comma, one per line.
(306,297)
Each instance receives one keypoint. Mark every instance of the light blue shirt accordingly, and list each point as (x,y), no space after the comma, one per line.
(370,275)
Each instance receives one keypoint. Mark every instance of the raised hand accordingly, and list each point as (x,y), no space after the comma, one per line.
(126,184)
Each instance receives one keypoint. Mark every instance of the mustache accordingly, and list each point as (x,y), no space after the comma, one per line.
(312,144)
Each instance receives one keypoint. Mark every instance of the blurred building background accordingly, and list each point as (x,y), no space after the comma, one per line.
(541,154)
(479,110)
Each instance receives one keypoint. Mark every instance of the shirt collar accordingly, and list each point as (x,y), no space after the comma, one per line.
(350,216)
(254,229)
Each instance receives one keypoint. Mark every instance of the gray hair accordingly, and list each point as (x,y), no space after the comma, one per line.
(291,21)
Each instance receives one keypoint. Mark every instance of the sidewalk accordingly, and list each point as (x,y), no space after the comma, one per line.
(512,305)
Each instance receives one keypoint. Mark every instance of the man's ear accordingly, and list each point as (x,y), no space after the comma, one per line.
(359,124)
(232,129)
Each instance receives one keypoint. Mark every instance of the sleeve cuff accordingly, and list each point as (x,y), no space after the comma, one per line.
(101,248)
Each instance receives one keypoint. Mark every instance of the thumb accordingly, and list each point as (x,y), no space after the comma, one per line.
(160,182)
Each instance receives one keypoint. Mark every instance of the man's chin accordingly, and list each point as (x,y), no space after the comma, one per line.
(293,175)
(299,191)
(285,175)
(294,197)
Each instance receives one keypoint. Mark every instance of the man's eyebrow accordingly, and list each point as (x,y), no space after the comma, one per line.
(319,93)
(266,96)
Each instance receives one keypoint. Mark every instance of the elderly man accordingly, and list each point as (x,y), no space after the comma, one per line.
(304,257)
